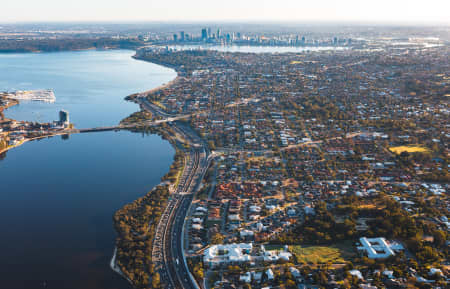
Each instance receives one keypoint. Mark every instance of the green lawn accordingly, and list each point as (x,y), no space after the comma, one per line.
(409,149)
(322,254)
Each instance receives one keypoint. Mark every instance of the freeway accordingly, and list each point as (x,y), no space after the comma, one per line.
(168,252)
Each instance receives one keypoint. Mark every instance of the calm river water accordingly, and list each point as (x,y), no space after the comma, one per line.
(57,197)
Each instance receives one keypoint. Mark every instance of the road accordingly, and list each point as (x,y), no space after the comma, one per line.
(168,252)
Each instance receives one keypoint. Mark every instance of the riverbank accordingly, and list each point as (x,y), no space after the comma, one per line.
(136,222)
(5,134)
(71,131)
(164,131)
(91,236)
(11,103)
(67,44)
(156,89)
(164,86)
(148,218)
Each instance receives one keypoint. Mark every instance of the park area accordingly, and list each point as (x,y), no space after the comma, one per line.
(336,254)
(409,149)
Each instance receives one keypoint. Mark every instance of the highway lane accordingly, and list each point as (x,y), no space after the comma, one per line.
(175,268)
(168,254)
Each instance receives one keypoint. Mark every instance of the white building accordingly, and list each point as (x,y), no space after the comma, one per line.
(197,226)
(269,274)
(227,254)
(273,256)
(246,278)
(377,248)
(295,272)
(356,273)
(246,233)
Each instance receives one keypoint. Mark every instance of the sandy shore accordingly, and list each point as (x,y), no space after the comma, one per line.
(116,268)
(161,87)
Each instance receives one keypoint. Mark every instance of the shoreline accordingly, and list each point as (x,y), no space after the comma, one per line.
(177,78)
(16,102)
(22,51)
(171,139)
(163,86)
(36,138)
(52,51)
(116,268)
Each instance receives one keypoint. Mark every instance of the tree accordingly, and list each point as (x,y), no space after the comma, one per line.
(290,284)
(156,282)
(217,238)
(439,238)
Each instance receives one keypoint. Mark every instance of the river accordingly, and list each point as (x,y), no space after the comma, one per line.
(57,197)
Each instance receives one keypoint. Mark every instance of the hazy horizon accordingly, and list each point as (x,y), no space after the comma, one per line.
(197,11)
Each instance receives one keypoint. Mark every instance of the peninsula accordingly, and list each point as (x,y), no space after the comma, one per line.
(46,95)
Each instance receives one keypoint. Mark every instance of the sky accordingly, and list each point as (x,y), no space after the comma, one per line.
(399,11)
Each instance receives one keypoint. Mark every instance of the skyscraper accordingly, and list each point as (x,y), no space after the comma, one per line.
(64,117)
(218,33)
(182,36)
(175,37)
(204,34)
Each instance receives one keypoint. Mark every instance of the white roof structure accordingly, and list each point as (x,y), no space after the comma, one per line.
(273,256)
(255,209)
(246,233)
(295,272)
(197,227)
(291,212)
(389,274)
(260,227)
(356,273)
(367,286)
(247,278)
(257,276)
(309,210)
(197,220)
(203,209)
(234,217)
(376,248)
(230,253)
(435,271)
(269,274)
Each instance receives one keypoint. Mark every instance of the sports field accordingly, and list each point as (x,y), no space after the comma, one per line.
(322,254)
(409,149)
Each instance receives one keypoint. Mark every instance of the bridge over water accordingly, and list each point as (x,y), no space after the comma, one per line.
(126,126)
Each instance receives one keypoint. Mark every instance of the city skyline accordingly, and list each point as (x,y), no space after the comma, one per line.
(408,12)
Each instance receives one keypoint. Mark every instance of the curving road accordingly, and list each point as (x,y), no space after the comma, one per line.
(168,252)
